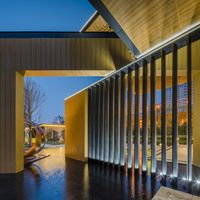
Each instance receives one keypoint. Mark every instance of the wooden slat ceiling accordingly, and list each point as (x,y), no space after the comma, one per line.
(98,24)
(148,22)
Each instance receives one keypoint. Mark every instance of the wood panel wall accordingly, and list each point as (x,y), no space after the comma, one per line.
(151,21)
(99,25)
(19,54)
(65,54)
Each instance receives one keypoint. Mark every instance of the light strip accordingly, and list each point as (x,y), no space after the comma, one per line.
(111,72)
(175,37)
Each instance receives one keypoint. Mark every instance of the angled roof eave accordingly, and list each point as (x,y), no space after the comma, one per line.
(101,8)
(89,21)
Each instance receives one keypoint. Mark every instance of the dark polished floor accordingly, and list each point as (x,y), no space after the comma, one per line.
(55,178)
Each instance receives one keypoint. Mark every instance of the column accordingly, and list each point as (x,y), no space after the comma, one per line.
(174,112)
(106,123)
(111,120)
(137,119)
(122,119)
(153,116)
(129,120)
(144,118)
(102,109)
(163,113)
(189,111)
(117,121)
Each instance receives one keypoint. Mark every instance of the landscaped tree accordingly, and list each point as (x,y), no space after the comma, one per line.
(58,119)
(34,99)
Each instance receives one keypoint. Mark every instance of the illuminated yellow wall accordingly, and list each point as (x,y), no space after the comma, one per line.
(76,120)
(19,122)
(196,102)
(196,120)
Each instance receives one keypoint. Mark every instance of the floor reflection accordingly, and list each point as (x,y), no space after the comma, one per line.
(58,178)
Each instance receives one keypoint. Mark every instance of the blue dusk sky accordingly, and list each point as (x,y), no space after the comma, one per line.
(49,15)
(44,15)
(57,89)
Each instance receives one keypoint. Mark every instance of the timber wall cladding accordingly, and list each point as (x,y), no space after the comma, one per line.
(63,54)
(99,25)
(19,54)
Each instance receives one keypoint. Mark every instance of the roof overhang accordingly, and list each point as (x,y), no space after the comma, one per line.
(145,25)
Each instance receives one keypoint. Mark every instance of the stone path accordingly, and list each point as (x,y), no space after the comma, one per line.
(170,194)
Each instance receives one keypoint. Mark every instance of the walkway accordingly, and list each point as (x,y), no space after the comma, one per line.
(55,178)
